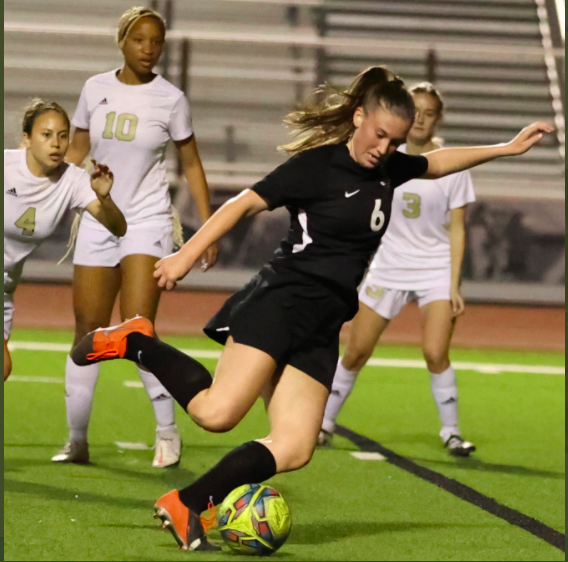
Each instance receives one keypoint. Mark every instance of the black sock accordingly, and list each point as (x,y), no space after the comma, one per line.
(250,463)
(182,376)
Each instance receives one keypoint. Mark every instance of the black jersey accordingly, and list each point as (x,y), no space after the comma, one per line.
(339,210)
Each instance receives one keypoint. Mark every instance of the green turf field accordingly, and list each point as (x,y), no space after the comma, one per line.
(343,508)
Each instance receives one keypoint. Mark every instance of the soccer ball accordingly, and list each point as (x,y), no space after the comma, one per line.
(255,519)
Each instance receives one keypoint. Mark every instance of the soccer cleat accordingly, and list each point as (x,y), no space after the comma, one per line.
(184,524)
(325,438)
(76,452)
(168,449)
(109,343)
(458,447)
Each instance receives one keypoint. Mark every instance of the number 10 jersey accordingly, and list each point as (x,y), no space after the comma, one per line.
(129,128)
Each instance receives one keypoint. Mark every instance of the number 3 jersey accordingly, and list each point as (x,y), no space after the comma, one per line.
(129,128)
(415,252)
(339,210)
(33,207)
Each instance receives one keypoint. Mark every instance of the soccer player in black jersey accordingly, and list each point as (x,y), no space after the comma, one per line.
(281,331)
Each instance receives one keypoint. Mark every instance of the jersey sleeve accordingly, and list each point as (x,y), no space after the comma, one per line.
(81,117)
(461,190)
(401,167)
(292,183)
(82,193)
(180,126)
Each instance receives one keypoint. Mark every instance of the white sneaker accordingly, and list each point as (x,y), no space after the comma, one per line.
(73,452)
(168,449)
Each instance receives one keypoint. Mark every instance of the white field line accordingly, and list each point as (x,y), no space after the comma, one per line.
(484,368)
(363,456)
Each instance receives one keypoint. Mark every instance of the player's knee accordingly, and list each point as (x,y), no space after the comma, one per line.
(216,420)
(436,360)
(85,324)
(355,358)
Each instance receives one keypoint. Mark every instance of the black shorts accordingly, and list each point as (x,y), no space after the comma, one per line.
(293,317)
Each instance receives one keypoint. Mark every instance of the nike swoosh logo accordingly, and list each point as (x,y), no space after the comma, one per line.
(140,357)
(352,193)
(223,329)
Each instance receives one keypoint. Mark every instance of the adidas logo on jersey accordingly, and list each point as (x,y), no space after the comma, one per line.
(12,192)
(104,102)
(158,244)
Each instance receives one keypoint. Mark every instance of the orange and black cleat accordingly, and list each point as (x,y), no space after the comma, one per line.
(184,524)
(109,343)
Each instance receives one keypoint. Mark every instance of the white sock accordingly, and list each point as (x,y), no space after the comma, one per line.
(445,392)
(161,399)
(80,385)
(343,383)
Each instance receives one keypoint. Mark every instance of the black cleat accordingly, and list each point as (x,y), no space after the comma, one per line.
(458,447)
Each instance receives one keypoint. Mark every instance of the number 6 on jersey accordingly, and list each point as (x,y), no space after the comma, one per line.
(378,217)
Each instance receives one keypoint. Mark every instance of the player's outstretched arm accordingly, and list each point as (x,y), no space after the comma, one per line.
(197,183)
(103,208)
(171,269)
(447,161)
(457,250)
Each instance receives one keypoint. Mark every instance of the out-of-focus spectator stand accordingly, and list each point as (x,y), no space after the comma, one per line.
(246,63)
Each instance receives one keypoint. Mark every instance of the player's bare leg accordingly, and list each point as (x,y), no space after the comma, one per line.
(295,403)
(94,293)
(366,330)
(7,361)
(438,321)
(241,374)
(140,295)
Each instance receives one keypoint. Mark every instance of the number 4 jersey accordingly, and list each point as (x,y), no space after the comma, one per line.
(129,128)
(33,207)
(415,251)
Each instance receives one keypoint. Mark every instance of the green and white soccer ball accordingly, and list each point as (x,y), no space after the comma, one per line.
(255,519)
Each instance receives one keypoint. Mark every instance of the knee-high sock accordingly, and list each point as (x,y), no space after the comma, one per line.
(161,400)
(80,385)
(445,392)
(343,383)
(181,375)
(250,463)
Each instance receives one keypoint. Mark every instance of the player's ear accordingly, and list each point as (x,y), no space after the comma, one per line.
(358,117)
(25,141)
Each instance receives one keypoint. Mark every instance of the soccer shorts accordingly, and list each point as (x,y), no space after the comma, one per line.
(389,302)
(292,317)
(97,247)
(8,315)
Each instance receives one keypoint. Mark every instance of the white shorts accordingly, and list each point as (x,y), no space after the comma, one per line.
(389,302)
(8,315)
(99,248)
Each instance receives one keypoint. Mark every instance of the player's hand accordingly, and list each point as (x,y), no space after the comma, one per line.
(528,137)
(209,258)
(170,270)
(101,179)
(456,301)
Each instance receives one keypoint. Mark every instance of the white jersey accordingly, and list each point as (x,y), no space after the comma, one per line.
(415,251)
(129,128)
(33,207)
